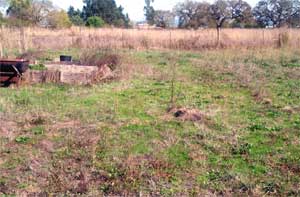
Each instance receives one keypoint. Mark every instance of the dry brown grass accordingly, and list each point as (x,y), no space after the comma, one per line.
(37,38)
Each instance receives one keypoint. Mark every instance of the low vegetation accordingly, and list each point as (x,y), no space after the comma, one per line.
(122,138)
(33,39)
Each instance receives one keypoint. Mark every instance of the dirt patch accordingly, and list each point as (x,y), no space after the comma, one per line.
(8,129)
(186,114)
(66,125)
(47,146)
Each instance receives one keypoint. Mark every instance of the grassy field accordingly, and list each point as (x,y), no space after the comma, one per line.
(12,39)
(118,138)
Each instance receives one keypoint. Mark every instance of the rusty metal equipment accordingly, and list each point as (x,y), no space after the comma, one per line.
(11,71)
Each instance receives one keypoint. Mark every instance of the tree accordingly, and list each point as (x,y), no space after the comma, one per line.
(295,21)
(75,16)
(95,21)
(18,12)
(29,12)
(1,19)
(105,9)
(77,20)
(59,19)
(39,10)
(164,19)
(223,10)
(276,13)
(193,14)
(149,12)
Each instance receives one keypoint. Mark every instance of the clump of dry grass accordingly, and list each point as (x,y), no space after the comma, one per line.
(100,58)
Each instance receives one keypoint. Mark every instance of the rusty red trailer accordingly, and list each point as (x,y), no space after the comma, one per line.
(11,71)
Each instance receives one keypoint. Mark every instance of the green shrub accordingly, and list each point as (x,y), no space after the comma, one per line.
(38,130)
(77,20)
(95,21)
(59,20)
(242,149)
(22,139)
(37,67)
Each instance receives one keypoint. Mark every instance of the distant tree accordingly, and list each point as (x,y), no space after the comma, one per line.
(127,21)
(192,14)
(294,21)
(29,12)
(149,12)
(18,12)
(276,13)
(1,18)
(164,19)
(75,16)
(39,11)
(223,10)
(95,21)
(59,19)
(77,20)
(123,20)
(105,9)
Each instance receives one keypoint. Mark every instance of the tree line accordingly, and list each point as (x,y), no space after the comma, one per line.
(189,14)
(95,13)
(226,13)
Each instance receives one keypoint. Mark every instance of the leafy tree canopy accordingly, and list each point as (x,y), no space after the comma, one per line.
(95,21)
(59,19)
(107,10)
(276,12)
(149,12)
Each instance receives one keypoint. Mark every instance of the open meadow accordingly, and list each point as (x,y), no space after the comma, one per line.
(179,117)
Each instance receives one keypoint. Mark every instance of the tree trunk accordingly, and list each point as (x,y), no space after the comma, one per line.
(218,37)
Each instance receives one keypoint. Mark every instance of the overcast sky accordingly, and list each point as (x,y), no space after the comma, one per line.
(133,7)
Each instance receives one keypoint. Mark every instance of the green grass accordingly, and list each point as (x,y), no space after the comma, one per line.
(121,134)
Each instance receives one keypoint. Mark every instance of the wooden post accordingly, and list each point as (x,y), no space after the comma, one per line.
(170,39)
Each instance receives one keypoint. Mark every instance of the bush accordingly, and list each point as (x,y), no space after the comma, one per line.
(77,20)
(39,67)
(100,58)
(95,21)
(59,19)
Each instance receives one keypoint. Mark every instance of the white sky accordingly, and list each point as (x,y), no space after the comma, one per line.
(133,7)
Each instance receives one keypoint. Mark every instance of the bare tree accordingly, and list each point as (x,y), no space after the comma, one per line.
(223,10)
(40,10)
(276,12)
(164,19)
(192,14)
